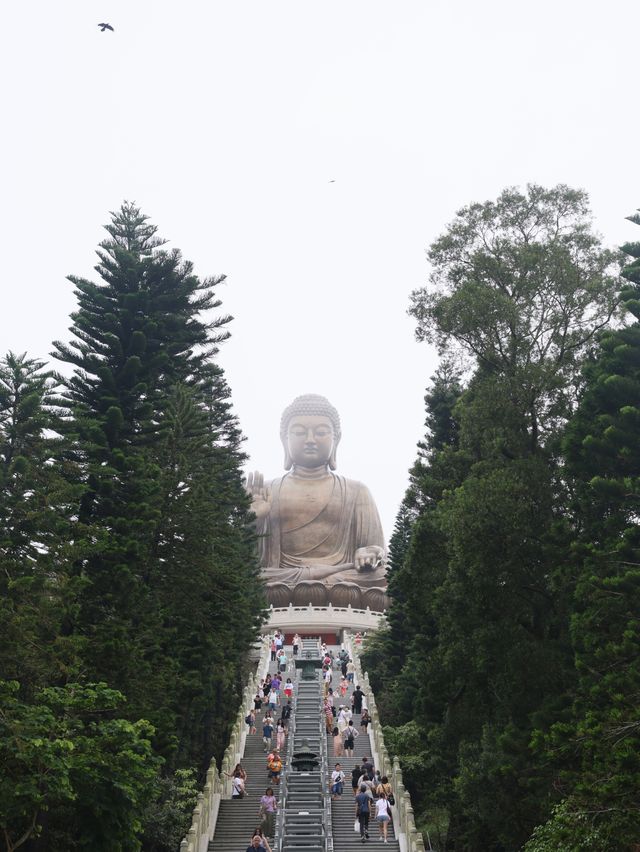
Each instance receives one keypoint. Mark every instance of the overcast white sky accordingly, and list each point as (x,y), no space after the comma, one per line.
(225,122)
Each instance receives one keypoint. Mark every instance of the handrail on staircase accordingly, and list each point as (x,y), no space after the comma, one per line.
(282,804)
(326,785)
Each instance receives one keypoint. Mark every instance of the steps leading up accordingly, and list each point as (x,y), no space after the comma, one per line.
(305,818)
(305,805)
(343,810)
(237,818)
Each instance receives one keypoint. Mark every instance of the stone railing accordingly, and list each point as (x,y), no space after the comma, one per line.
(217,783)
(308,619)
(410,838)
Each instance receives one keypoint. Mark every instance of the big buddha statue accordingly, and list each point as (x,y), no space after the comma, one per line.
(320,536)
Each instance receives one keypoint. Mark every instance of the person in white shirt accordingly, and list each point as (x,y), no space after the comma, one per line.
(337,782)
(237,785)
(383,815)
(343,719)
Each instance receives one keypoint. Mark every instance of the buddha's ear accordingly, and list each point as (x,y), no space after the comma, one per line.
(333,463)
(288,461)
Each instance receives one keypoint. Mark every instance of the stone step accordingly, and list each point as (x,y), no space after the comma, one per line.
(304,817)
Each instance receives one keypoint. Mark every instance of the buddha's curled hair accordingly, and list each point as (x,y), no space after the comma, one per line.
(306,405)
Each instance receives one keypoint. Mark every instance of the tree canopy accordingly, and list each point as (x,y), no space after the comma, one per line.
(127,553)
(503,682)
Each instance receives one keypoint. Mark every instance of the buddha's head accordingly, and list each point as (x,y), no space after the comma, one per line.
(310,432)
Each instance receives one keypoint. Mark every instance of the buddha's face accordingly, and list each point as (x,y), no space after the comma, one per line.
(310,440)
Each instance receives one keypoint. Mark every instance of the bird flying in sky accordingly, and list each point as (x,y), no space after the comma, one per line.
(104,27)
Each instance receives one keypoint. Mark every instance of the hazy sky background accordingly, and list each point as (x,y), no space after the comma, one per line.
(225,122)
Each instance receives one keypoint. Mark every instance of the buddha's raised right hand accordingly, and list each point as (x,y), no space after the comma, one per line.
(260,499)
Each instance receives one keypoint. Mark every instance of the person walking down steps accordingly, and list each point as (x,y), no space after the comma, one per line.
(267,812)
(267,731)
(258,832)
(337,782)
(258,844)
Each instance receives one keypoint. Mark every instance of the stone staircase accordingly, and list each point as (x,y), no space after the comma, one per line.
(307,820)
(302,824)
(237,818)
(302,800)
(345,839)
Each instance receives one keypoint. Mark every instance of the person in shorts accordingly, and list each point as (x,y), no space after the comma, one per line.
(383,815)
(349,735)
(267,731)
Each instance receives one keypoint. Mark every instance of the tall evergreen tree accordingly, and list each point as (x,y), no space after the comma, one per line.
(38,500)
(520,287)
(597,749)
(148,411)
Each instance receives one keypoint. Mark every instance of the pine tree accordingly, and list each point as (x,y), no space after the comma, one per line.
(37,502)
(414,548)
(148,411)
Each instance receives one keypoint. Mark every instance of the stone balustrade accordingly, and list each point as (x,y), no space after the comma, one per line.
(410,838)
(218,783)
(309,618)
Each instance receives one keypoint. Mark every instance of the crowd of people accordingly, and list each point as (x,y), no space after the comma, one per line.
(274,702)
(372,792)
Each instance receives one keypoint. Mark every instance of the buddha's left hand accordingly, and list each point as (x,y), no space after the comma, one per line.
(368,558)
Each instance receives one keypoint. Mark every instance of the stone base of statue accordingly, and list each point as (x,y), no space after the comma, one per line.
(316,593)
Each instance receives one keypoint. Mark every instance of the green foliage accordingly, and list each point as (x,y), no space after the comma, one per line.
(126,557)
(477,655)
(522,286)
(171,571)
(168,816)
(597,749)
(69,750)
(39,491)
(571,832)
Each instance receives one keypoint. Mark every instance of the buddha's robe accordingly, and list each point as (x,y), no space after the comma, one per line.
(314,528)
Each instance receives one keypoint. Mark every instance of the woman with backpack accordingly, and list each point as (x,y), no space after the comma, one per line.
(237,787)
(250,720)
(385,787)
